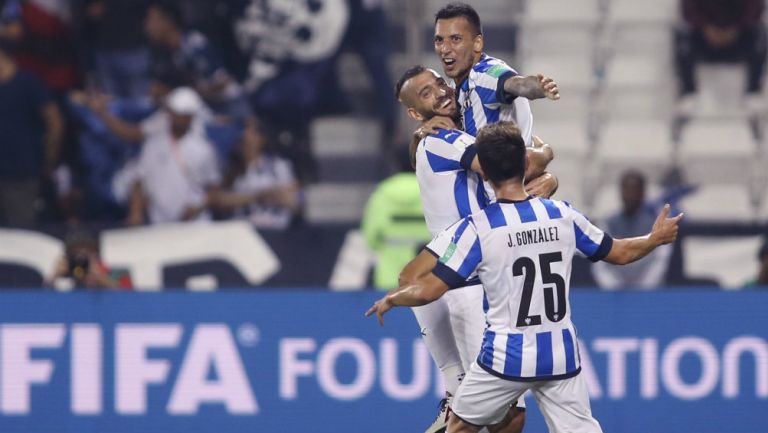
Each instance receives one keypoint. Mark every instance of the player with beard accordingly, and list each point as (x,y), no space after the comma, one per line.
(487,89)
(451,188)
(522,248)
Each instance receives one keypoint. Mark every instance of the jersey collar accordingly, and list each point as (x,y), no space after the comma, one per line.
(504,200)
(465,83)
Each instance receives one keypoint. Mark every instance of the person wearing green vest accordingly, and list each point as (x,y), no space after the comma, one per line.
(394,226)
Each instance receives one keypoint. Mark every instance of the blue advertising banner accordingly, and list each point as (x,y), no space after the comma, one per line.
(298,361)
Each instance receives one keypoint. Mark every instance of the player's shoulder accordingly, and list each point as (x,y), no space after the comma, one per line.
(449,136)
(492,66)
(559,208)
(467,223)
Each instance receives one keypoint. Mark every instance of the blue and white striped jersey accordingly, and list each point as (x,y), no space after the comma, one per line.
(482,99)
(450,190)
(522,252)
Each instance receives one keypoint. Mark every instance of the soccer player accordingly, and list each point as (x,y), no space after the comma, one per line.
(488,89)
(450,188)
(521,248)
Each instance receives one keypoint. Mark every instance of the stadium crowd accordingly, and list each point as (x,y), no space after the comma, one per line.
(146,111)
(133,112)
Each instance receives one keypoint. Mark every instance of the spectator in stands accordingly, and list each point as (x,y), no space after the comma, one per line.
(190,52)
(393,224)
(292,49)
(45,45)
(216,20)
(106,151)
(30,138)
(10,20)
(762,274)
(258,185)
(120,54)
(368,36)
(83,267)
(633,220)
(177,166)
(721,31)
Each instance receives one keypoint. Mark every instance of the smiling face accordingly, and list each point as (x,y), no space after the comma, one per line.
(459,46)
(428,95)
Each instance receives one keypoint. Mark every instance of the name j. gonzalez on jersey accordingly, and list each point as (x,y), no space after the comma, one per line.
(534,236)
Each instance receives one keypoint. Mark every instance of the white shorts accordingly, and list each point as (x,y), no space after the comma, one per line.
(468,323)
(484,399)
(467,320)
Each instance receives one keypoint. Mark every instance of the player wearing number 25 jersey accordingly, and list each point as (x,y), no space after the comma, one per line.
(521,249)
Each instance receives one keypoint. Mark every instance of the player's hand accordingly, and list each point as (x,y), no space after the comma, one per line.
(432,125)
(665,229)
(538,143)
(380,307)
(549,86)
(543,186)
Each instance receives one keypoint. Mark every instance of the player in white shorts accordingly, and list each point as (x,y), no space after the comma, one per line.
(487,91)
(451,188)
(521,248)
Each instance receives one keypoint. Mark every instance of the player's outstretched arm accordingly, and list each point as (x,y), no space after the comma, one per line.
(628,250)
(425,290)
(532,87)
(420,266)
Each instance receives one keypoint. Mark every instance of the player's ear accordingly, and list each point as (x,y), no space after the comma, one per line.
(478,44)
(527,164)
(415,115)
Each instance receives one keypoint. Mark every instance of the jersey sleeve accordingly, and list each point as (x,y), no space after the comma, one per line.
(493,79)
(449,151)
(591,241)
(458,249)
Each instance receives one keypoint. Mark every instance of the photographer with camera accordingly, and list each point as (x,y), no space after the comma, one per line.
(82,267)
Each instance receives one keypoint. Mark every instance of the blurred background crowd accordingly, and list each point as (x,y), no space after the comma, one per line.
(280,113)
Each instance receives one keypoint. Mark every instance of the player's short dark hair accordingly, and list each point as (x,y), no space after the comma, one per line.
(407,75)
(501,151)
(169,9)
(454,10)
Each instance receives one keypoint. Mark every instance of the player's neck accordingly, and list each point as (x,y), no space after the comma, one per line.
(512,190)
(460,79)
